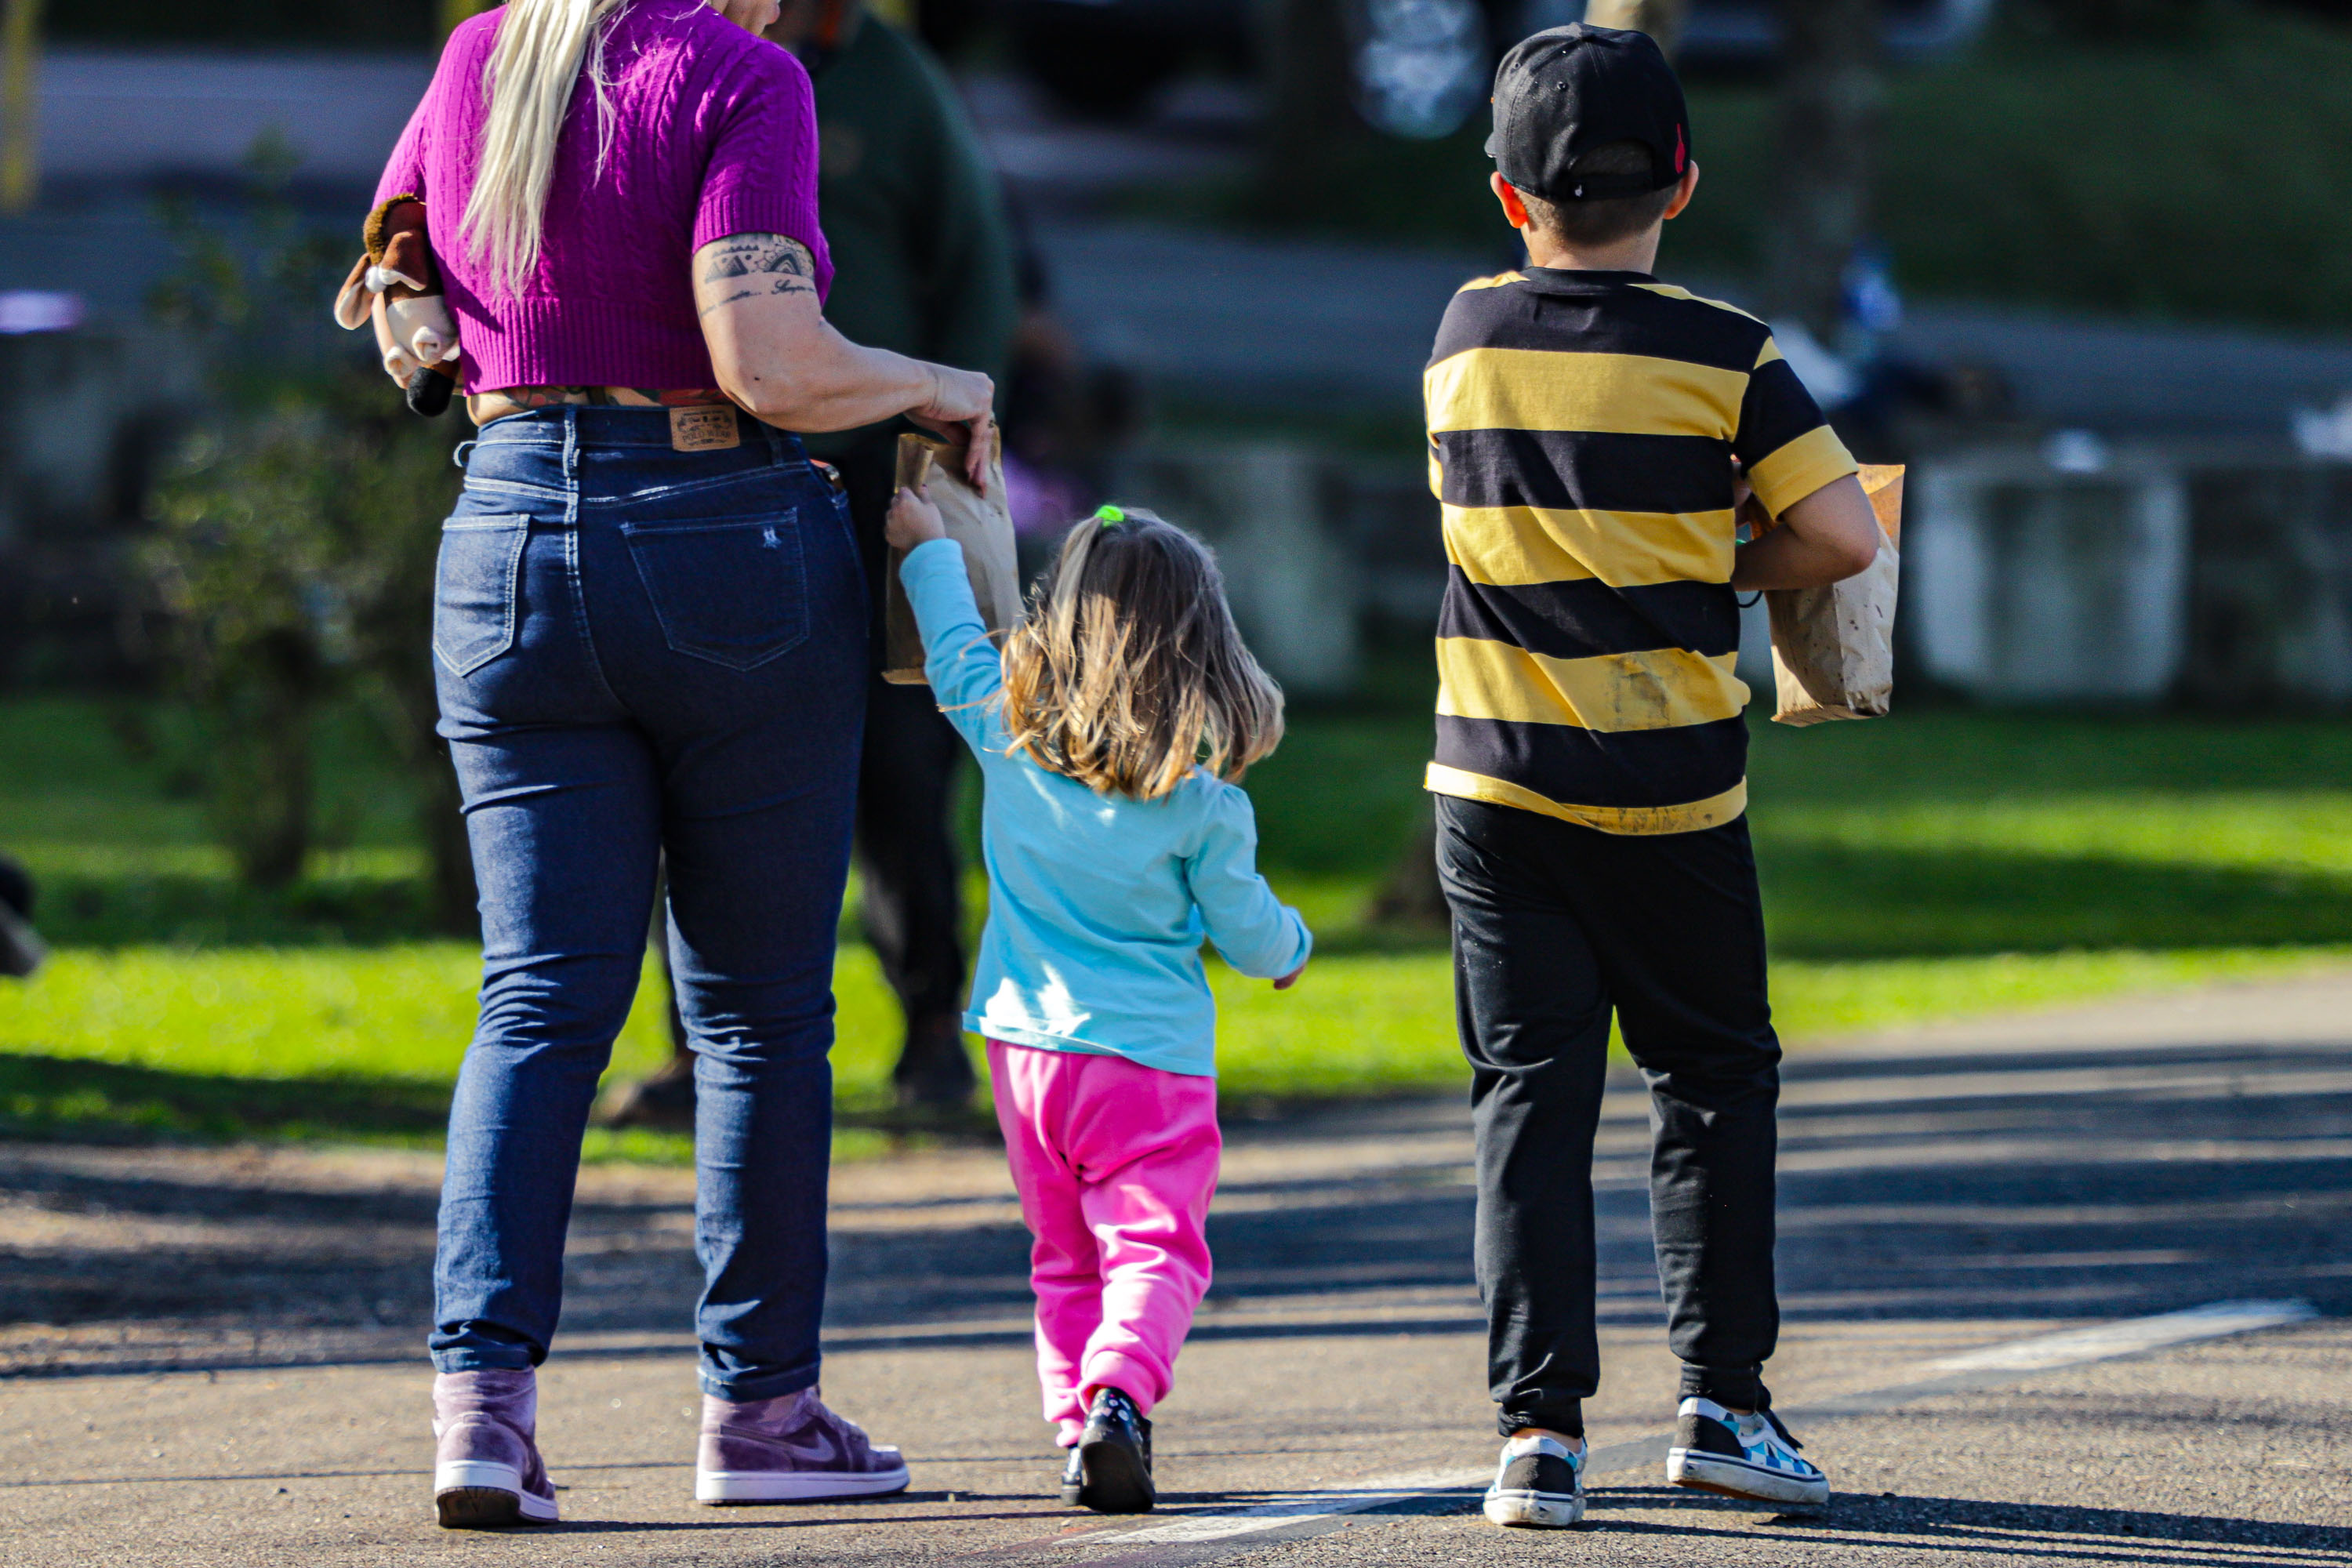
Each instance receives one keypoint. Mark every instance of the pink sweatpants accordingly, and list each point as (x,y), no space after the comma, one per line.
(1115,1164)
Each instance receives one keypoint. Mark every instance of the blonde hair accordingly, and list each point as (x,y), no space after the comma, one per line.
(1129,671)
(544,48)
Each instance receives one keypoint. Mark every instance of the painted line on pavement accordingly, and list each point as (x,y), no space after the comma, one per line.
(1309,1507)
(1201,1537)
(2102,1341)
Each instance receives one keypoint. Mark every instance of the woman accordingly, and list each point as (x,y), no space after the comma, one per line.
(650,636)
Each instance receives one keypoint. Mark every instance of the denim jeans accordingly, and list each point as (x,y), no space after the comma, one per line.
(641,650)
(1556,927)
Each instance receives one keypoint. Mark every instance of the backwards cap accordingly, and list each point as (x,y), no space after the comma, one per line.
(1568,90)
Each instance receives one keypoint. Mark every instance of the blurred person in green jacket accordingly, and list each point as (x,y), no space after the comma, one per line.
(924,264)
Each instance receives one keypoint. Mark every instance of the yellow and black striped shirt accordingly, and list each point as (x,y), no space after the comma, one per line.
(1582,427)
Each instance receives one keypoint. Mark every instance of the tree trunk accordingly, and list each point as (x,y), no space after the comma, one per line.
(261,764)
(408,708)
(455,898)
(1312,125)
(1832,102)
(1662,19)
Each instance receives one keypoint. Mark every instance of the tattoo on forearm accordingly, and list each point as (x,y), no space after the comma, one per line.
(751,266)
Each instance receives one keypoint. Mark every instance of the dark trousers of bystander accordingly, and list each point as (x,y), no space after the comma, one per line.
(1556,927)
(910,899)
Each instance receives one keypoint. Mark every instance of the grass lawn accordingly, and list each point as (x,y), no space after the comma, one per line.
(1941,864)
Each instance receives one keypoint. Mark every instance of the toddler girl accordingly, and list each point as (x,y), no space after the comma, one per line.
(1108,732)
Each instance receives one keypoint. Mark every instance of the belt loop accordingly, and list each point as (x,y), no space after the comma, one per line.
(571,466)
(464,450)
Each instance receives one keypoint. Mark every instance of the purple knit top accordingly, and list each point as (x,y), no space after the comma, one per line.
(713,134)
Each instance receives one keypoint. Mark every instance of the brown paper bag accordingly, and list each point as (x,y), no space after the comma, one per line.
(982,524)
(1833,648)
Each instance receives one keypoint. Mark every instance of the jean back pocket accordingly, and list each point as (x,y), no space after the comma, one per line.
(733,591)
(476,589)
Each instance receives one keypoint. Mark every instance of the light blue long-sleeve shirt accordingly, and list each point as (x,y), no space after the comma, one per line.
(1097,904)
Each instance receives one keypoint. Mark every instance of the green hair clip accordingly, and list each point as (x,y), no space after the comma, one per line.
(1107,515)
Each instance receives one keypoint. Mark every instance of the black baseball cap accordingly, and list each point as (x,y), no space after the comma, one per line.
(1566,91)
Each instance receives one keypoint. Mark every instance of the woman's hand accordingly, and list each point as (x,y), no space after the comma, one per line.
(913,519)
(1291,979)
(962,407)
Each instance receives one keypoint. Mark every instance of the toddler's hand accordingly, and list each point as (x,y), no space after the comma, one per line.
(913,519)
(1291,979)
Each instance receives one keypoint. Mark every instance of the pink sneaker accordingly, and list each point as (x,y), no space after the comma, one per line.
(788,1449)
(485,1468)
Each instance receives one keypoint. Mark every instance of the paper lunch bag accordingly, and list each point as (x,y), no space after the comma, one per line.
(982,524)
(1833,648)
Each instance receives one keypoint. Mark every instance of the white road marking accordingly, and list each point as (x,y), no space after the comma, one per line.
(2072,1347)
(2101,1341)
(1305,1508)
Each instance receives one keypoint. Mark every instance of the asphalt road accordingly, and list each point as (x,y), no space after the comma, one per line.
(214,1353)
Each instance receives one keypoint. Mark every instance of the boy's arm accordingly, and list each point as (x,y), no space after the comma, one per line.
(1258,934)
(966,672)
(1804,477)
(1825,538)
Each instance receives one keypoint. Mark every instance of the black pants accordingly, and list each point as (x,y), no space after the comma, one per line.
(1555,927)
(911,889)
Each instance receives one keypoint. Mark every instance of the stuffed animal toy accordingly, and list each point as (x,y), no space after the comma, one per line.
(396,285)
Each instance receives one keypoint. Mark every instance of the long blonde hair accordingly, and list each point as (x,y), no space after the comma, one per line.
(1129,671)
(544,48)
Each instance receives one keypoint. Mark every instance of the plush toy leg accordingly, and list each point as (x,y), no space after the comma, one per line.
(398,363)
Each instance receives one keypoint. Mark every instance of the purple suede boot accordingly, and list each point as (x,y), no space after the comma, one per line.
(788,1449)
(485,1468)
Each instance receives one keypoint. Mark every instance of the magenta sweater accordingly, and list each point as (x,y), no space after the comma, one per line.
(714,132)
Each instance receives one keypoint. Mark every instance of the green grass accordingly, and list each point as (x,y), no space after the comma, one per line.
(2104,178)
(1941,864)
(363,1043)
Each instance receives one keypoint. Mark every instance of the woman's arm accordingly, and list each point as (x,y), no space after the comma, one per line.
(775,355)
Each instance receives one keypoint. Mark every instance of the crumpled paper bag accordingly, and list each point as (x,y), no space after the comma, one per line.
(982,524)
(1833,648)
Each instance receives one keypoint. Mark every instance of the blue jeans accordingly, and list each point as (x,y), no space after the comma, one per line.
(639,651)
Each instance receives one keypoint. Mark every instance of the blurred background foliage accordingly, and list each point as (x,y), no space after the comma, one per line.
(2122,158)
(292,544)
(256,877)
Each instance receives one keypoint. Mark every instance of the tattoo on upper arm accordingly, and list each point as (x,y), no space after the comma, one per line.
(747,266)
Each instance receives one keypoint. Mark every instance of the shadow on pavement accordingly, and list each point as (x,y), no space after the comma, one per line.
(1990,1530)
(2081,1184)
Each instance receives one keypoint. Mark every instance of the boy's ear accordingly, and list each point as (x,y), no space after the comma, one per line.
(1682,192)
(1514,209)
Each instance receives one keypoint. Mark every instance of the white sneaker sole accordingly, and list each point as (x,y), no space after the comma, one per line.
(793,1486)
(1525,1510)
(1736,1478)
(469,1492)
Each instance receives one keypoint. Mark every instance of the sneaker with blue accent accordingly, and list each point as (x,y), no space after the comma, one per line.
(1742,1454)
(1539,1484)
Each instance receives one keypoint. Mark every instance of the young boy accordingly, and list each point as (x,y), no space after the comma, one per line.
(1590,430)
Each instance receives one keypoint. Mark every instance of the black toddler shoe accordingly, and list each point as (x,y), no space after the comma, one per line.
(1111,1469)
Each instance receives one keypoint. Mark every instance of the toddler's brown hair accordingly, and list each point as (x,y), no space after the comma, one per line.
(1128,670)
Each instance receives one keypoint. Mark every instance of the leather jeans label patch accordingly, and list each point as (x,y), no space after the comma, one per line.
(704,429)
